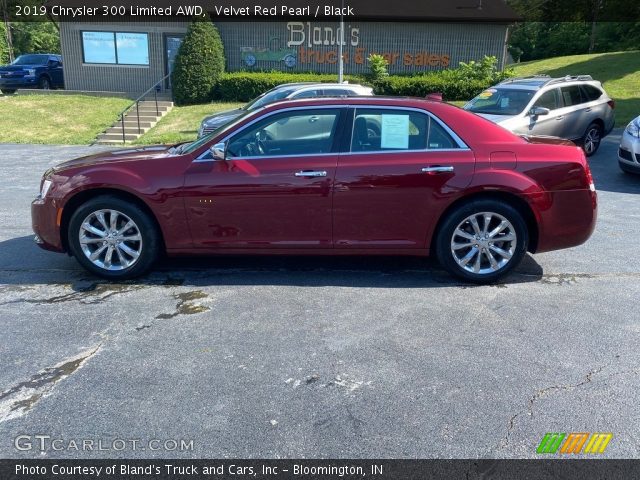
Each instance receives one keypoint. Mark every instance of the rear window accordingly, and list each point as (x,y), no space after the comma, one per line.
(500,101)
(591,93)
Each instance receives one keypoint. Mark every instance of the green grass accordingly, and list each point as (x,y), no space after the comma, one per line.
(181,124)
(619,73)
(56,119)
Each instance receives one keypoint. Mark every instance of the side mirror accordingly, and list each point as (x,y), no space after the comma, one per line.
(219,151)
(535,111)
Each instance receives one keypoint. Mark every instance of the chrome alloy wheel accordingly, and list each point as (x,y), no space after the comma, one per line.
(484,243)
(110,240)
(592,140)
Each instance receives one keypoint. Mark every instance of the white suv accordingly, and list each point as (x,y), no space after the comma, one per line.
(576,108)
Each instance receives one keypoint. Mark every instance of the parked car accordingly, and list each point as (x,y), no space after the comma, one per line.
(284,92)
(436,180)
(576,108)
(629,151)
(38,70)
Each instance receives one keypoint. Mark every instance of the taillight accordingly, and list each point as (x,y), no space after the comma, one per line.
(612,103)
(592,185)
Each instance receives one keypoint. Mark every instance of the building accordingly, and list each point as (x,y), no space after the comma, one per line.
(132,56)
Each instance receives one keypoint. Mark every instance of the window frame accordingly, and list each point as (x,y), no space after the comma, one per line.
(336,145)
(115,47)
(456,139)
(558,95)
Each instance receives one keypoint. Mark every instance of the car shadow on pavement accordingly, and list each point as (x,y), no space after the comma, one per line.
(23,263)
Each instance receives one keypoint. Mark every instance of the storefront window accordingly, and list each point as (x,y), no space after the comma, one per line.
(117,48)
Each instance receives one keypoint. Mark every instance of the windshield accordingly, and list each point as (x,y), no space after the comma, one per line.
(190,147)
(270,96)
(500,101)
(31,60)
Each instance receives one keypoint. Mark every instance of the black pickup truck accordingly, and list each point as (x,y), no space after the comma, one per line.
(37,70)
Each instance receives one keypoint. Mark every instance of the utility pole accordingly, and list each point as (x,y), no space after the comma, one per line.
(340,48)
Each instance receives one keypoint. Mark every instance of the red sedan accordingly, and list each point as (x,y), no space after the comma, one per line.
(365,176)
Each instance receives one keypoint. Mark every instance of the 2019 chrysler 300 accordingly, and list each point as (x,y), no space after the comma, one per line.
(366,176)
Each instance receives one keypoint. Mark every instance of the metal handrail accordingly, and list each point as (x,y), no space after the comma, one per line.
(136,102)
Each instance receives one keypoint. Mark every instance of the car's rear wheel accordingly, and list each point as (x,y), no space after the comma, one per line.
(113,238)
(482,241)
(591,139)
(8,91)
(44,83)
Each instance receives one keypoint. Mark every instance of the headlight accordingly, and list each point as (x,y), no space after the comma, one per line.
(31,72)
(46,185)
(633,128)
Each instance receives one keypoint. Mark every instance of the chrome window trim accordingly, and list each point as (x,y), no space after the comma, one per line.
(200,158)
(461,144)
(452,134)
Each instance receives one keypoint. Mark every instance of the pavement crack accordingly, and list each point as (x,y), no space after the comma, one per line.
(539,394)
(22,397)
(88,295)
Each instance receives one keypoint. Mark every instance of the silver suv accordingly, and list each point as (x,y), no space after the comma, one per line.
(576,108)
(284,92)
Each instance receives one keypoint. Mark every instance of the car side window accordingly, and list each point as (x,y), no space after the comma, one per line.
(308,94)
(571,95)
(381,130)
(299,132)
(590,93)
(548,100)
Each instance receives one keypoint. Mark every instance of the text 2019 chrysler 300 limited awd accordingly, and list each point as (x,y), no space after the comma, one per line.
(366,176)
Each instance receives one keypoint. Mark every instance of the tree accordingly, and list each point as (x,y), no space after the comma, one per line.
(35,37)
(198,65)
(4,48)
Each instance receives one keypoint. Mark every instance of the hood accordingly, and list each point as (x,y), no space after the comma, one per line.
(548,140)
(222,117)
(17,68)
(496,118)
(123,155)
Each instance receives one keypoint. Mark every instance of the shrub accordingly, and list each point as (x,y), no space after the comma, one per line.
(377,67)
(199,64)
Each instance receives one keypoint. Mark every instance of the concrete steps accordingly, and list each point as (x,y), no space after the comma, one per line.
(148,113)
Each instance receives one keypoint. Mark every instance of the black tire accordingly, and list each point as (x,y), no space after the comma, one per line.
(44,83)
(594,130)
(8,91)
(149,246)
(445,240)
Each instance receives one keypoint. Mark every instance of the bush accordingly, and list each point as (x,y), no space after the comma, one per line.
(462,83)
(377,67)
(199,64)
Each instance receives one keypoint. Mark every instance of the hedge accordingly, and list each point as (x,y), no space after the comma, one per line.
(244,86)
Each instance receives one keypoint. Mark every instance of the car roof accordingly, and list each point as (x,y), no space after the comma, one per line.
(536,82)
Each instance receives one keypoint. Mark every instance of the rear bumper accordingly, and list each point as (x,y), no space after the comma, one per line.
(566,219)
(44,215)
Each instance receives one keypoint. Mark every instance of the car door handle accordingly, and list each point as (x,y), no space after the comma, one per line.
(561,117)
(313,119)
(437,169)
(587,109)
(311,173)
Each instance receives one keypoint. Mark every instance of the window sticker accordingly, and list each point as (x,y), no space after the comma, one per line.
(487,93)
(394,131)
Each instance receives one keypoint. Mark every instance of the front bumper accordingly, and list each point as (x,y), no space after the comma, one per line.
(15,83)
(629,153)
(44,221)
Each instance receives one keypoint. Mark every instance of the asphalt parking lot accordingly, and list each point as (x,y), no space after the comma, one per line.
(318,357)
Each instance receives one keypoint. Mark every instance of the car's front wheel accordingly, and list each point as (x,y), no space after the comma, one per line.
(482,241)
(113,238)
(44,83)
(591,140)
